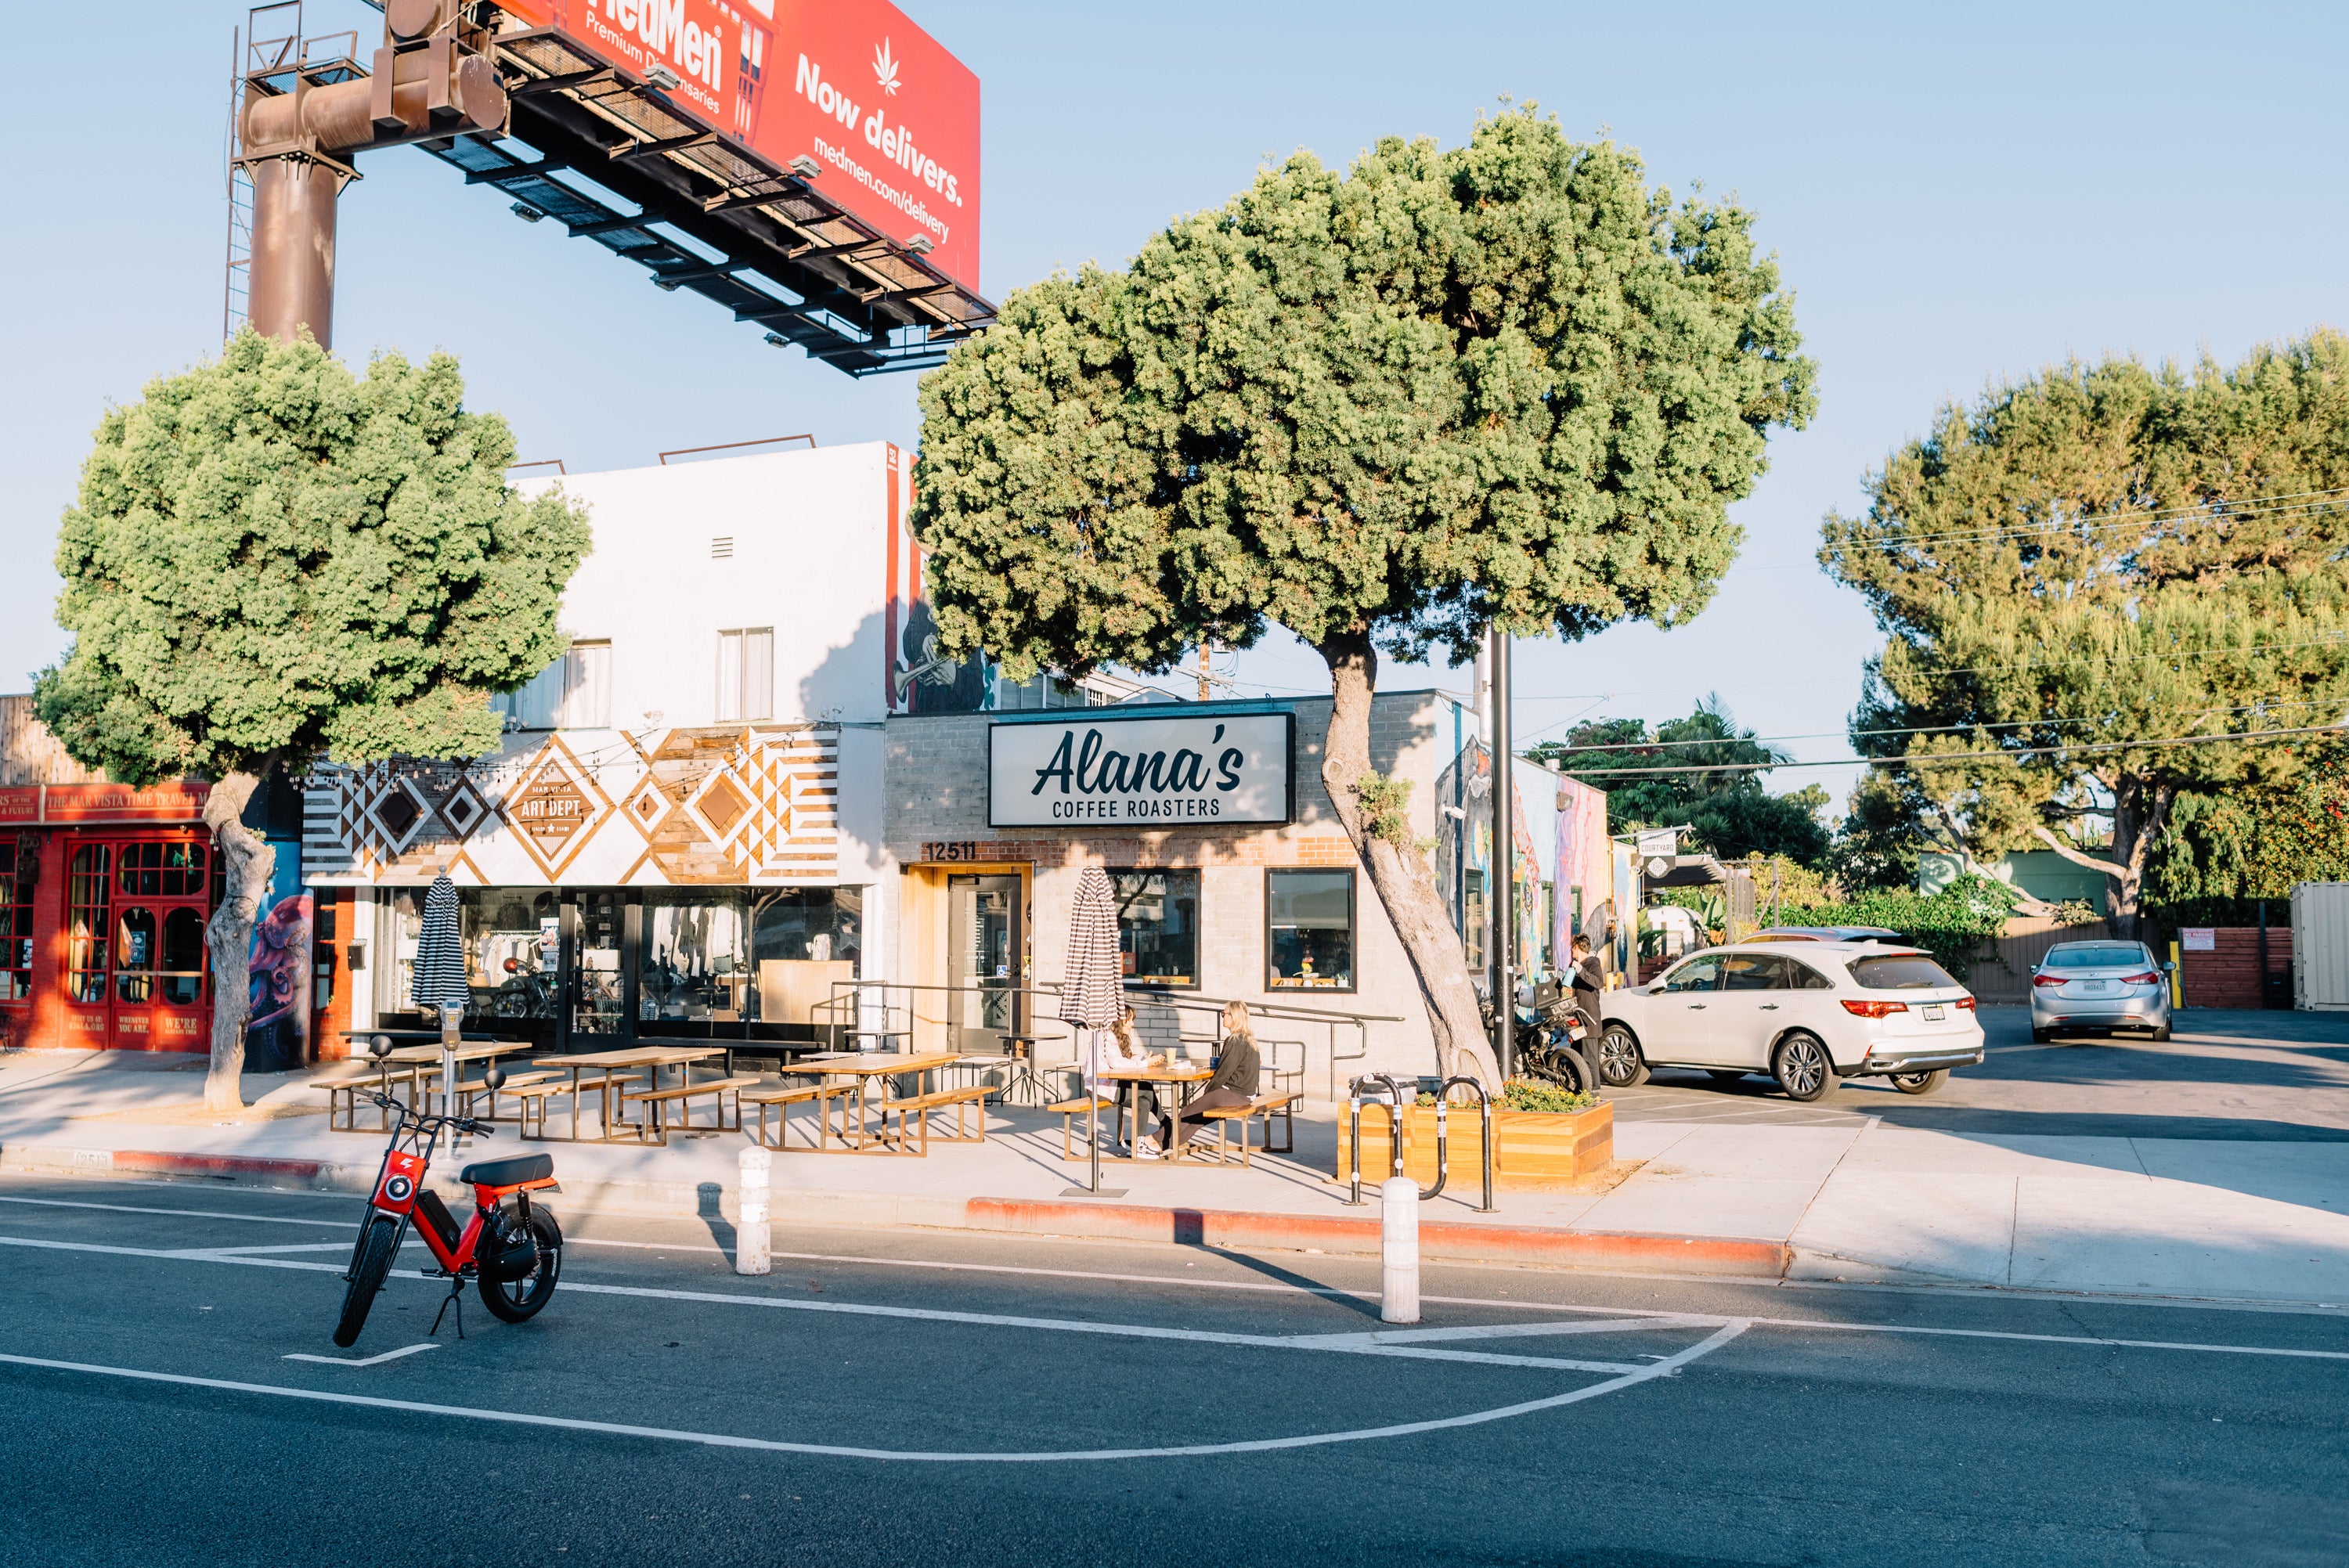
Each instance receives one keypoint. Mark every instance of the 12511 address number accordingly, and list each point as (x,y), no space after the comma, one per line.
(964,851)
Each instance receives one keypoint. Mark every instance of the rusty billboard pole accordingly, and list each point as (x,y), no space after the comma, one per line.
(303,123)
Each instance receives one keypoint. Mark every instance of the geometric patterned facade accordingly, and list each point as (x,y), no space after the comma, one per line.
(742,804)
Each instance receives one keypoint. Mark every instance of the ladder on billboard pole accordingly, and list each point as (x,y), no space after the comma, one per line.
(236,287)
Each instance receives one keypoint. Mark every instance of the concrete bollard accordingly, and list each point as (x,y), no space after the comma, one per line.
(1399,1245)
(752,1238)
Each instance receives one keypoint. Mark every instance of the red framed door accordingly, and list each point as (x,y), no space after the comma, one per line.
(135,976)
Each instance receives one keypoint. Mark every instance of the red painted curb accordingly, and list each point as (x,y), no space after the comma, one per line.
(1349,1234)
(222,1165)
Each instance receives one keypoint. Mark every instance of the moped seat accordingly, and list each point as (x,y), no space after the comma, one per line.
(511,1171)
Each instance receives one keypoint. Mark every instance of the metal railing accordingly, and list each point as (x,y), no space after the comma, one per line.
(846,1007)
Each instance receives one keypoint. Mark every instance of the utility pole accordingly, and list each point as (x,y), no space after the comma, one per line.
(1502,901)
(1207,668)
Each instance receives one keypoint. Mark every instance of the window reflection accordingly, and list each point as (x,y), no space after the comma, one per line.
(694,966)
(134,955)
(1310,930)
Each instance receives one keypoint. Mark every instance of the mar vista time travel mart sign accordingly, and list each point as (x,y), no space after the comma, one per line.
(1220,769)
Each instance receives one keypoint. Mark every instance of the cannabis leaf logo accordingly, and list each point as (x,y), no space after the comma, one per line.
(884,67)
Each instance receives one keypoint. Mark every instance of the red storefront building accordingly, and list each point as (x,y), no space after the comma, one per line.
(104,893)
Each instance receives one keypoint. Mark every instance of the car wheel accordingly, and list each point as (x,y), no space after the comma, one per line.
(1620,1062)
(1921,1083)
(1725,1075)
(2162,1033)
(2042,1037)
(1803,1069)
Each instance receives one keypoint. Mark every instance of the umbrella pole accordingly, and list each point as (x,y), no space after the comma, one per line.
(1093,1189)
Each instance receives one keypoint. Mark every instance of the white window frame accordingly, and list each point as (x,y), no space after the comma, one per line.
(746,675)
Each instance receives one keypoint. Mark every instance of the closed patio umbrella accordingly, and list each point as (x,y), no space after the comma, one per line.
(439,975)
(1093,988)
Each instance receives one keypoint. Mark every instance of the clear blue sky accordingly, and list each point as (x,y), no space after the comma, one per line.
(1957,194)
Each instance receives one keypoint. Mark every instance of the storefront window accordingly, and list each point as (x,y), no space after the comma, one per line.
(803,941)
(1310,930)
(1158,927)
(601,999)
(514,945)
(181,976)
(89,927)
(693,966)
(15,929)
(134,952)
(165,871)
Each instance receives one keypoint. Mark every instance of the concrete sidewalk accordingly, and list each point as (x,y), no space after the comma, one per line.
(2201,1218)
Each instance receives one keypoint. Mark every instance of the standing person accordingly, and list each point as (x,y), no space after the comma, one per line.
(1589,980)
(1235,1083)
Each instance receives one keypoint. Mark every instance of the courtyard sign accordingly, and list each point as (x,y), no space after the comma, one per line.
(1212,770)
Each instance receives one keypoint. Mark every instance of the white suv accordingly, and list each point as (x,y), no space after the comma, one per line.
(1808,1015)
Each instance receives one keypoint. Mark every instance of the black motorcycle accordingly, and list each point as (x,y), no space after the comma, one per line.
(1551,1034)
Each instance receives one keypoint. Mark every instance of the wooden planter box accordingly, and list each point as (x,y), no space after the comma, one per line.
(1533,1149)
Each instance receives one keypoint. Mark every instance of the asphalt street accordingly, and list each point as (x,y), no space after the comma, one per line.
(171,1397)
(2245,1075)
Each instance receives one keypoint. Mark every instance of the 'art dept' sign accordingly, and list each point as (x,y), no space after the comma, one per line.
(1226,769)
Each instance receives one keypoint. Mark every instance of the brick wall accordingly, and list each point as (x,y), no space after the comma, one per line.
(2229,975)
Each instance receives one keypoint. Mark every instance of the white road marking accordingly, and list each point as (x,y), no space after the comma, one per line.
(1727,1331)
(181,1213)
(258,1251)
(363,1360)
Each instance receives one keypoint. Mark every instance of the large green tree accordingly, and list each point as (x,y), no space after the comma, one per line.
(1703,772)
(273,561)
(2105,584)
(1507,382)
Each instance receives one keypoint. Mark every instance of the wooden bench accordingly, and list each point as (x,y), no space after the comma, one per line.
(783,1098)
(1070,1110)
(346,1090)
(536,1095)
(467,1089)
(918,1108)
(659,1099)
(1267,1106)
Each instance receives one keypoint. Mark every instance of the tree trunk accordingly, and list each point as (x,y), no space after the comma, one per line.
(249,862)
(1956,844)
(1399,872)
(2139,809)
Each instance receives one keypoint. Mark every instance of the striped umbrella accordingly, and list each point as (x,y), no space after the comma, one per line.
(440,950)
(1092,990)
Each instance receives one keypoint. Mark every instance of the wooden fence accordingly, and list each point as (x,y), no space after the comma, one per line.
(2006,975)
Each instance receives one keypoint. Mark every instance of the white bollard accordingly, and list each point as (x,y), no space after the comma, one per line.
(1398,1238)
(752,1240)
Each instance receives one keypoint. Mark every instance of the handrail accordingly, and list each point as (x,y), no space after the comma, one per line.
(1442,1165)
(729,445)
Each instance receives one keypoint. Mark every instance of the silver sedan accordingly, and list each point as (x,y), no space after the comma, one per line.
(2100,985)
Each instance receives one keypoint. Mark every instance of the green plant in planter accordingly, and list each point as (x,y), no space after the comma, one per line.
(1527,1094)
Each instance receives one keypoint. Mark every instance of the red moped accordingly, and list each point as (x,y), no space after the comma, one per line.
(512,1251)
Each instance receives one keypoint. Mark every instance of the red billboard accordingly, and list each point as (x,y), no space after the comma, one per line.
(890,117)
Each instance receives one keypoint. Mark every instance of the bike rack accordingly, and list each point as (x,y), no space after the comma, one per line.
(1393,1102)
(1484,1109)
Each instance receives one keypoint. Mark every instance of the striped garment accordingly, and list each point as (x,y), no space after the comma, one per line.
(440,950)
(1092,991)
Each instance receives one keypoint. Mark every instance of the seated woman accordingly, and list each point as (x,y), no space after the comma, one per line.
(1235,1083)
(1119,1050)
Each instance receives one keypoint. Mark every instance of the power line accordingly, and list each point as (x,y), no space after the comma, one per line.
(1948,757)
(1921,729)
(2301,501)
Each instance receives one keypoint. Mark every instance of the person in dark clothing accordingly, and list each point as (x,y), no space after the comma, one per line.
(1237,1074)
(1589,980)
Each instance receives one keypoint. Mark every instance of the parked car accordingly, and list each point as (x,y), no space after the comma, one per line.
(2102,986)
(1831,933)
(1808,1015)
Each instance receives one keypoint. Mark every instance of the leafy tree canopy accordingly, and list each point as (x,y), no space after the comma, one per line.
(2258,842)
(1724,806)
(273,559)
(2096,561)
(1504,383)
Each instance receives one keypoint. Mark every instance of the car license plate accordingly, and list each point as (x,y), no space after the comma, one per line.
(2095,988)
(1934,1015)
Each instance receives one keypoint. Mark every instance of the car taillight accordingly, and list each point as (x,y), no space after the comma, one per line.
(2150,978)
(1872,1009)
(1967,1003)
(2047,979)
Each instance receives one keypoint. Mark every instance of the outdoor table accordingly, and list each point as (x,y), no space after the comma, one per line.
(613,1062)
(421,1061)
(1184,1075)
(864,1067)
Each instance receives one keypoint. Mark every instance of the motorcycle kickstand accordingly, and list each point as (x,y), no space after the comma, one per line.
(454,1298)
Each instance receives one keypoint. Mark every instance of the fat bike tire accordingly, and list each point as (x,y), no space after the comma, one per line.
(519,1300)
(370,1266)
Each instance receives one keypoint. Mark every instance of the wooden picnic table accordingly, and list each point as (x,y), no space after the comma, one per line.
(616,1061)
(1182,1075)
(865,1066)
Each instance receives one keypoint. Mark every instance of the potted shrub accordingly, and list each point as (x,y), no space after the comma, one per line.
(1543,1136)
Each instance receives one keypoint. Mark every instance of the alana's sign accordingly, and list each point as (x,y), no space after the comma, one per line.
(1228,769)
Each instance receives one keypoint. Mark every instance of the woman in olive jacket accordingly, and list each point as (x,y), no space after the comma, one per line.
(1235,1083)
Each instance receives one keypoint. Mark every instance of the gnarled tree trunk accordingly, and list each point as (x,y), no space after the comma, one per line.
(248,862)
(1399,871)
(2139,809)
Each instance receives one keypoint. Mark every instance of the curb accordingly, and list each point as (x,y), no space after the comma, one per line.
(1238,1229)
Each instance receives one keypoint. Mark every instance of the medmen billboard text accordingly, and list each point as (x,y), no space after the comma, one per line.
(1233,768)
(892,117)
